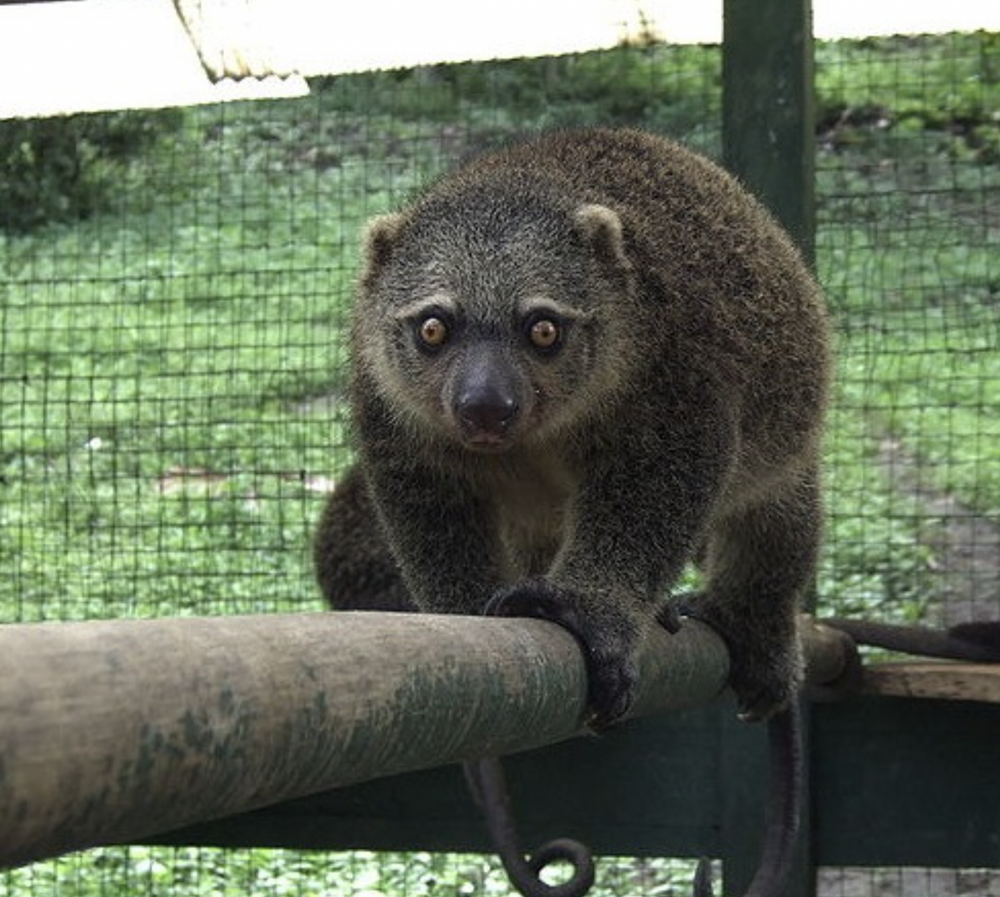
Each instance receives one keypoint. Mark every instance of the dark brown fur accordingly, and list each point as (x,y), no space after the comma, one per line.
(682,410)
(674,417)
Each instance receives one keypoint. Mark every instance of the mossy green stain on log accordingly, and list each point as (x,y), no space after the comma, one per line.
(102,742)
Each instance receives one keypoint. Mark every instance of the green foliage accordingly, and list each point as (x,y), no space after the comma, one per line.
(667,88)
(194,872)
(876,563)
(946,85)
(170,383)
(63,169)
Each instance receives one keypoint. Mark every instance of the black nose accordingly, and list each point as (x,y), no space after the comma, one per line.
(484,394)
(486,411)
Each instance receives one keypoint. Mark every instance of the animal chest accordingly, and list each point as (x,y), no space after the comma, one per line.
(532,509)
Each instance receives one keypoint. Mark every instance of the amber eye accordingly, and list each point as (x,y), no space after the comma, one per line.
(544,334)
(433,332)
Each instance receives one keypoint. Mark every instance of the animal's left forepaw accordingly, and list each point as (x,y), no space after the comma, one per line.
(764,672)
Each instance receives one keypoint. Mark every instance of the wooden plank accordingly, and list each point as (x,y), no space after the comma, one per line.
(934,679)
(650,787)
(901,782)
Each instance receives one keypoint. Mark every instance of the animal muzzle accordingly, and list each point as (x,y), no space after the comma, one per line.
(485,401)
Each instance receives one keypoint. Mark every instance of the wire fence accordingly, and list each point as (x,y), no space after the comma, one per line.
(172,291)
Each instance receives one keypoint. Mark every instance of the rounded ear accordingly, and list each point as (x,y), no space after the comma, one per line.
(381,233)
(601,229)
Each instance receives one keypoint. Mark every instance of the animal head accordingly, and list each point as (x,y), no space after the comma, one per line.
(483,312)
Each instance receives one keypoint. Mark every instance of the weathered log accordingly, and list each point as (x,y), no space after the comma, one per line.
(115,731)
(934,679)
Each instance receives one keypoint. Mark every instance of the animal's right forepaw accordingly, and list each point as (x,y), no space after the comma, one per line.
(611,667)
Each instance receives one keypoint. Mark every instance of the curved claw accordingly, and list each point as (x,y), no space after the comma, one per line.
(669,617)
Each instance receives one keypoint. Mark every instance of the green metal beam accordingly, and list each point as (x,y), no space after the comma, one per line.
(897,782)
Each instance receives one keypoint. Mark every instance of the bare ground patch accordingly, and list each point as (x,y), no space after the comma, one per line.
(966,544)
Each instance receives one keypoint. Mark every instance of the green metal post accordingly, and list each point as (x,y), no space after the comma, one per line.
(768,142)
(768,107)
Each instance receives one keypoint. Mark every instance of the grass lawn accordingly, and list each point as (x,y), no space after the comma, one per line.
(172,363)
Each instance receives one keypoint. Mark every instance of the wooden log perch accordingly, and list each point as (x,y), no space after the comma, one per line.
(116,731)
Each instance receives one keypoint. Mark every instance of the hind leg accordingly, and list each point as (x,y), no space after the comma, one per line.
(760,561)
(354,565)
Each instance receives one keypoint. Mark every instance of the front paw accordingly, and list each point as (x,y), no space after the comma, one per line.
(764,689)
(608,639)
(765,671)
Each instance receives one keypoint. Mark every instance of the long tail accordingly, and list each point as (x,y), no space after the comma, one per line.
(977,642)
(489,788)
(784,736)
